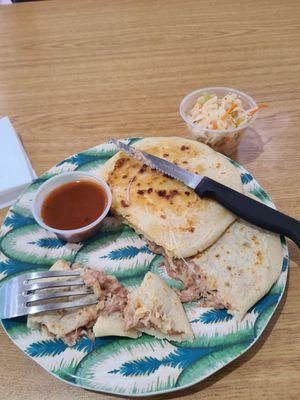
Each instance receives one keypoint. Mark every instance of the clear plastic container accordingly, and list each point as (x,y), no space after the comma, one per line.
(72,235)
(224,141)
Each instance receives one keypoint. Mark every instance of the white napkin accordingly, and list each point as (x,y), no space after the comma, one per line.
(16,172)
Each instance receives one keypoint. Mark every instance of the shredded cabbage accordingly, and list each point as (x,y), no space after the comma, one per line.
(224,113)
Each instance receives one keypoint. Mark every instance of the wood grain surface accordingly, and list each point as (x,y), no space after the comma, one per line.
(74,73)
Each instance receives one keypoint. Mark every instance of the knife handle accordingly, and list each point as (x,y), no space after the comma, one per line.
(250,210)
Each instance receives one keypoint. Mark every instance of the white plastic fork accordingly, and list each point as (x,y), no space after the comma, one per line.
(20,295)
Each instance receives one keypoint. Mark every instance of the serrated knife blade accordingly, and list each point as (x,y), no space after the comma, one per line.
(164,166)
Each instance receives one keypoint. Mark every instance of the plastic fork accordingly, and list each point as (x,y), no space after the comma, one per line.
(21,295)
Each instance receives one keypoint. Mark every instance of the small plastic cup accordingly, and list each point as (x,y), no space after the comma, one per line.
(223,141)
(71,235)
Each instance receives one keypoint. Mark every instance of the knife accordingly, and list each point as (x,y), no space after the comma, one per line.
(244,207)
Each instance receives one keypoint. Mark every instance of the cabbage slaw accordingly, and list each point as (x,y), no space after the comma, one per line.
(211,112)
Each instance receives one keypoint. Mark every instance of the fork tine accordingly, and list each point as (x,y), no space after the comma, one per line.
(46,285)
(60,305)
(47,296)
(49,274)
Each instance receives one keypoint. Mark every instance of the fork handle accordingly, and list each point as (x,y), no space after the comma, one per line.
(250,210)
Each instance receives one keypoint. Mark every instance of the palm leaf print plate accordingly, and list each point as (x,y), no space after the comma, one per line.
(132,367)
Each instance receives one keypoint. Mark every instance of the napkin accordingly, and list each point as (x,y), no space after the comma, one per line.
(16,172)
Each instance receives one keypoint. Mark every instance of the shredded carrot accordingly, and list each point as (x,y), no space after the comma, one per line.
(214,125)
(251,113)
(229,111)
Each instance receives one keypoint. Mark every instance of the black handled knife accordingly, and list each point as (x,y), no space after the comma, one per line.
(250,210)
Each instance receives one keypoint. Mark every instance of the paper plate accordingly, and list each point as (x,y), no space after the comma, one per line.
(132,367)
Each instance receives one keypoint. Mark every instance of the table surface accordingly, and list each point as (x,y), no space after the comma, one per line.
(74,73)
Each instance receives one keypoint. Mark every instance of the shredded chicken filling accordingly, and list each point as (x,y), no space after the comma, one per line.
(155,319)
(195,287)
(108,290)
(112,297)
